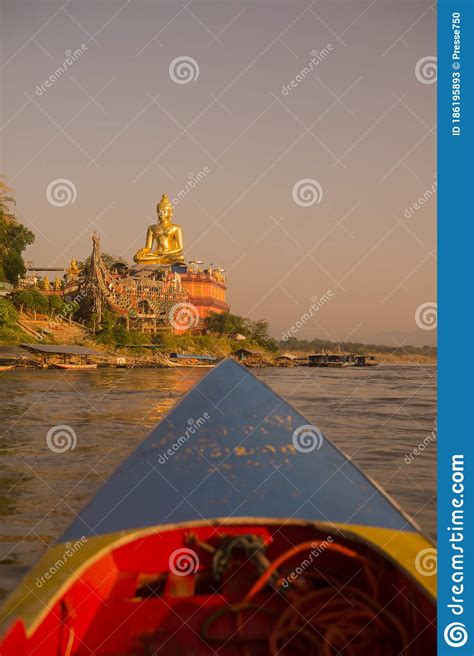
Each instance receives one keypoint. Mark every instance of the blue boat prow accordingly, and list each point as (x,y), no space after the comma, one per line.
(229,449)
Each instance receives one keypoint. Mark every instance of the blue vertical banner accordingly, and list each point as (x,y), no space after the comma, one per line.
(455,327)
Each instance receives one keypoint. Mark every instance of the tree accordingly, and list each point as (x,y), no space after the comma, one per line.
(232,324)
(7,201)
(23,299)
(226,323)
(259,329)
(13,266)
(56,305)
(14,238)
(8,314)
(30,299)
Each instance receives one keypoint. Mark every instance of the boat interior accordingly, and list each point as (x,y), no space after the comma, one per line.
(237,590)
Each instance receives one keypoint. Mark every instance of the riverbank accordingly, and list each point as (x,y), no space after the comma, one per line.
(58,356)
(137,349)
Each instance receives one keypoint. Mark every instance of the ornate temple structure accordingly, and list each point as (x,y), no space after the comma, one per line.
(160,290)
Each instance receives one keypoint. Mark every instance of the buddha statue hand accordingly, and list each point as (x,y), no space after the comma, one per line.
(142,254)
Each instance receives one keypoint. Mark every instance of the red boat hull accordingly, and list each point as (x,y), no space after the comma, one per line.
(134,596)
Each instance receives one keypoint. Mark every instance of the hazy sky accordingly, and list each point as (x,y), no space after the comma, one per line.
(117,125)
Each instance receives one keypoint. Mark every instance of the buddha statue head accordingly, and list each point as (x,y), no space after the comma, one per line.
(164,210)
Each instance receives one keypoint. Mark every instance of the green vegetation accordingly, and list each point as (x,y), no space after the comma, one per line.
(113,331)
(34,302)
(10,332)
(210,344)
(8,314)
(227,324)
(14,238)
(219,339)
(30,300)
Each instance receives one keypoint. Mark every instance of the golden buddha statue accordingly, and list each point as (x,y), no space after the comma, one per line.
(164,240)
(73,271)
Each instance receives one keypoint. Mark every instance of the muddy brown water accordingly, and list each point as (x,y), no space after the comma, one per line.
(382,417)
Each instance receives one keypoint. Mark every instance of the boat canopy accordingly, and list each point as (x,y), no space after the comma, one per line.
(234,448)
(60,349)
(11,353)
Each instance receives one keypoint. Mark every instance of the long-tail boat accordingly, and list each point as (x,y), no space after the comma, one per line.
(234,528)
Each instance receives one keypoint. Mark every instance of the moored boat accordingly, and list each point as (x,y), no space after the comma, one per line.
(236,528)
(335,360)
(365,361)
(6,367)
(70,365)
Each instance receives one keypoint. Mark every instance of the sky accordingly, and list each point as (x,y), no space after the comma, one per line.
(309,125)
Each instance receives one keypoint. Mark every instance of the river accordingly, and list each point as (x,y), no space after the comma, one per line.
(378,416)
